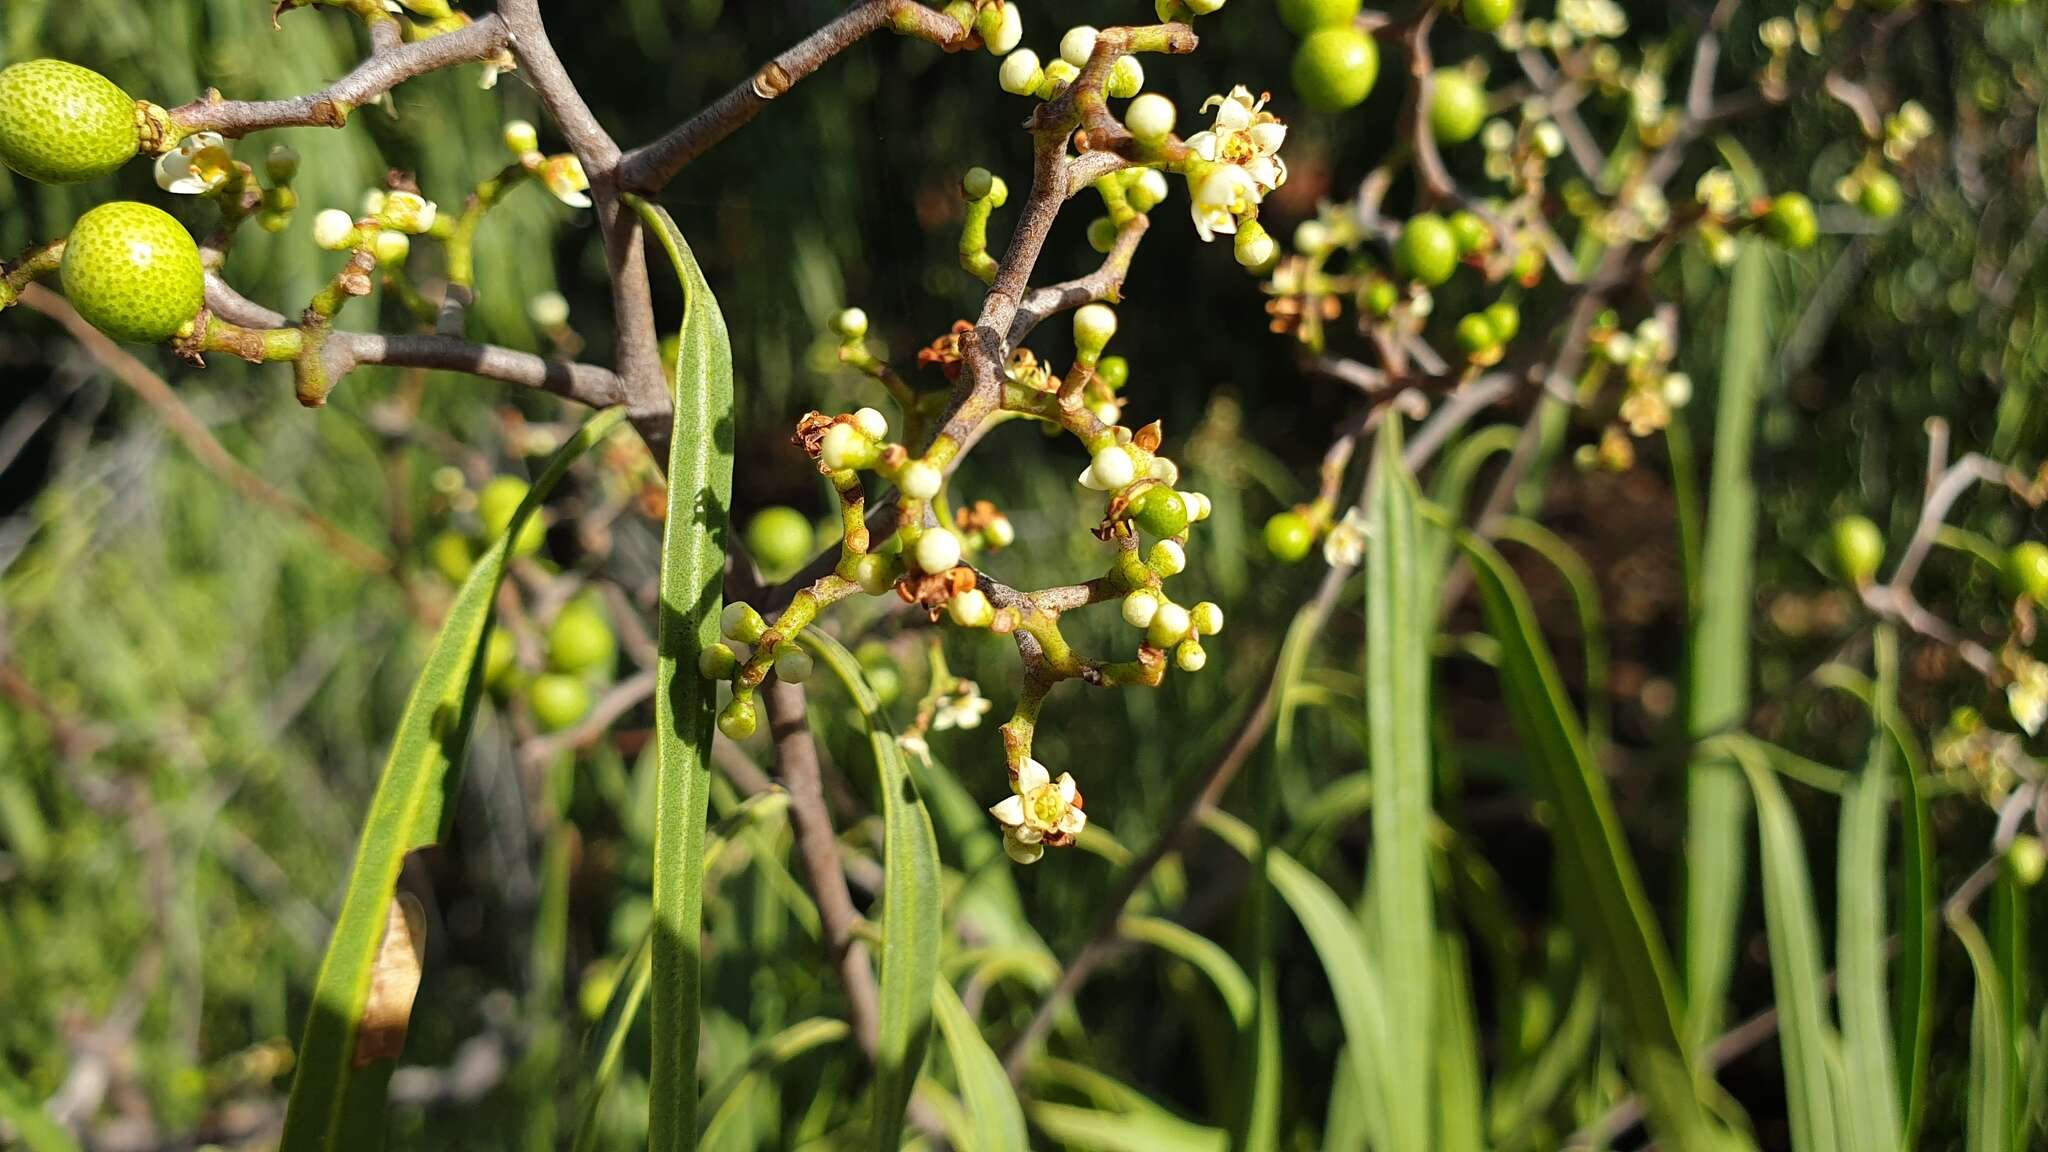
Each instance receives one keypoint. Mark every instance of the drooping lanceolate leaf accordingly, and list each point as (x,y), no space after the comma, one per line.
(1873,1119)
(995,1121)
(337,1099)
(692,575)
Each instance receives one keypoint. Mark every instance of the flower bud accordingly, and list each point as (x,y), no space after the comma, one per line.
(1126,78)
(738,720)
(1312,238)
(1094,324)
(281,164)
(391,248)
(1058,75)
(1677,389)
(1102,234)
(846,448)
(409,212)
(971,609)
(1206,618)
(1001,29)
(1149,189)
(1167,558)
(1190,656)
(1000,533)
(850,324)
(874,574)
(1020,74)
(740,622)
(1199,506)
(1169,626)
(1078,44)
(548,310)
(919,480)
(521,138)
(1112,468)
(334,230)
(1163,470)
(373,202)
(1114,372)
(2026,860)
(717,662)
(1254,247)
(1108,413)
(793,665)
(1139,608)
(977,184)
(871,423)
(1204,7)
(938,550)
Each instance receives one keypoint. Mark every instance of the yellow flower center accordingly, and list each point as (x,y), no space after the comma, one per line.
(1044,807)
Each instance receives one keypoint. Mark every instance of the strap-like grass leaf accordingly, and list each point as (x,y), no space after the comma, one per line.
(1603,888)
(1993,1063)
(1207,956)
(337,1100)
(1717,803)
(1399,610)
(725,1104)
(1872,1119)
(1455,1046)
(911,915)
(995,1121)
(692,575)
(1087,1130)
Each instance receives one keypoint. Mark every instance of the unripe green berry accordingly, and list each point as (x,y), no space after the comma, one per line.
(281,164)
(1475,335)
(1471,232)
(793,665)
(2026,861)
(1487,15)
(875,574)
(451,555)
(495,506)
(1305,16)
(1289,536)
(133,272)
(1160,511)
(740,622)
(1113,371)
(1102,234)
(738,719)
(581,640)
(2026,571)
(1335,68)
(1858,549)
(780,539)
(971,609)
(1190,656)
(501,659)
(717,662)
(1426,250)
(1457,106)
(1881,198)
(60,124)
(1381,296)
(1505,319)
(1791,221)
(558,701)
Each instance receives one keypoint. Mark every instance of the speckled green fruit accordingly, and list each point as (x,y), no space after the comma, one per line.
(1289,536)
(2026,571)
(1335,68)
(1505,319)
(1791,221)
(1858,549)
(60,123)
(1487,15)
(1160,511)
(781,540)
(1457,106)
(496,504)
(1305,16)
(581,640)
(558,701)
(133,272)
(1427,250)
(1881,197)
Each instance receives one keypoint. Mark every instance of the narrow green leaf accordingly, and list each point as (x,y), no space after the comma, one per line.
(911,914)
(1399,611)
(1347,962)
(1717,804)
(1205,955)
(1603,888)
(1088,1130)
(692,589)
(1460,1092)
(1346,1128)
(1794,935)
(994,1118)
(1872,1120)
(726,1103)
(1585,590)
(33,1126)
(337,1099)
(1993,1063)
(2009,946)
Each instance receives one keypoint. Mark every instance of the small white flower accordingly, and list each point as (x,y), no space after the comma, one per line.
(199,164)
(1344,547)
(961,708)
(1042,811)
(409,212)
(563,177)
(2027,695)
(1225,192)
(1245,135)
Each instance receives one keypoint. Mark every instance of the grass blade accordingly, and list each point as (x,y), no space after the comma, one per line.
(1205,955)
(1089,1130)
(1717,802)
(337,1096)
(1794,935)
(910,904)
(692,574)
(1872,1120)
(1605,892)
(1460,1093)
(1399,609)
(725,1104)
(1993,1063)
(994,1118)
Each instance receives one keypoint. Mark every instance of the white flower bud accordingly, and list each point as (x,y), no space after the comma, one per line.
(521,138)
(1312,238)
(391,248)
(1204,7)
(409,212)
(1254,247)
(1059,74)
(1020,74)
(1126,78)
(333,230)
(1108,413)
(1199,506)
(1078,44)
(850,324)
(548,310)
(1150,118)
(1112,468)
(938,550)
(1008,30)
(1163,470)
(373,202)
(971,609)
(1549,139)
(1190,656)
(1139,608)
(919,480)
(1678,389)
(1149,190)
(1206,618)
(793,665)
(844,447)
(1094,324)
(1169,626)
(740,622)
(872,424)
(1000,533)
(1168,558)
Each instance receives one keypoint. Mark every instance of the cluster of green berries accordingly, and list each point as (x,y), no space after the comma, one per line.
(1337,62)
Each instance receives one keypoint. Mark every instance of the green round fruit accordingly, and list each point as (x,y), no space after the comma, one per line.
(1475,334)
(1381,296)
(2026,571)
(2026,860)
(1487,15)
(501,659)
(1335,68)
(60,124)
(1881,197)
(1289,536)
(1471,232)
(1305,16)
(1113,371)
(581,640)
(1457,106)
(496,504)
(452,556)
(1427,250)
(781,540)
(133,272)
(1858,548)
(1505,319)
(1791,221)
(558,701)
(1160,511)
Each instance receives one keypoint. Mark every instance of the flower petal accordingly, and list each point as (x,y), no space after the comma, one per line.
(1067,789)
(1072,823)
(1026,834)
(1009,811)
(1023,853)
(1031,777)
